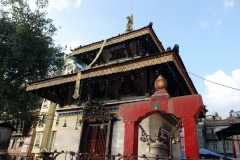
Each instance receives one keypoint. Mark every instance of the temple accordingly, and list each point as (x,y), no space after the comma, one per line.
(125,87)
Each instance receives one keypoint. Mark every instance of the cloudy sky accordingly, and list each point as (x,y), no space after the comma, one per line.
(206,31)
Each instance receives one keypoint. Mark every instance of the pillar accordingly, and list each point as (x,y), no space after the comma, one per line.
(190,137)
(131,138)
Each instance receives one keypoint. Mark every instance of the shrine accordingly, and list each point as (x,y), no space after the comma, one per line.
(126,88)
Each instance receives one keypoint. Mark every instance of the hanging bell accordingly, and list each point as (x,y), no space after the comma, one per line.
(174,141)
(178,139)
(102,126)
(144,140)
(65,124)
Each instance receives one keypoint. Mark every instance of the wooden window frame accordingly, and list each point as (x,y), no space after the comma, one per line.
(117,54)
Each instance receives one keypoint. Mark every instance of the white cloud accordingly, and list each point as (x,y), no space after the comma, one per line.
(203,23)
(77,3)
(222,99)
(218,26)
(73,44)
(32,5)
(58,4)
(228,3)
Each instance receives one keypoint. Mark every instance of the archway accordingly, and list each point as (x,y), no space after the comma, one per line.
(185,108)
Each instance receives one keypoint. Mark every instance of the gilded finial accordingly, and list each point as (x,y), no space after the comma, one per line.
(129,27)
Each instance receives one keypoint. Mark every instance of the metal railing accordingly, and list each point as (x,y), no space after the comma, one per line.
(90,156)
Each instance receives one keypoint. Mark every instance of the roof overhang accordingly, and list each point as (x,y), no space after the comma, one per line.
(118,67)
(229,131)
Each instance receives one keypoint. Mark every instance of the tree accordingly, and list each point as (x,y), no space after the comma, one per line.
(27,53)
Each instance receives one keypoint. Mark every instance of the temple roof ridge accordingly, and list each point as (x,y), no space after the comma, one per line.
(120,38)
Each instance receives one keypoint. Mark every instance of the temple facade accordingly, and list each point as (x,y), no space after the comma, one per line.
(125,88)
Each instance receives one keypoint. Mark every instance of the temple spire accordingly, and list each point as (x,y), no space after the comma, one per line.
(129,27)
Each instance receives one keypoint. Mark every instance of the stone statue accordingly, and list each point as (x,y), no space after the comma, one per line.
(160,137)
(129,24)
(160,134)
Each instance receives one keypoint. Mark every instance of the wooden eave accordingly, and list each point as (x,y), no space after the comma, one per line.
(119,39)
(181,68)
(118,67)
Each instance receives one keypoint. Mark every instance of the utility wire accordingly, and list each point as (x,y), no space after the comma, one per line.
(211,81)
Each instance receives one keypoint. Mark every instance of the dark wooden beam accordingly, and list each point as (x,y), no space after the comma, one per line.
(102,58)
(129,52)
(109,91)
(51,96)
(140,46)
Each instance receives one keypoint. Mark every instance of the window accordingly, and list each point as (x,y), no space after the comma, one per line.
(41,120)
(228,145)
(38,140)
(117,54)
(210,130)
(21,144)
(14,144)
(214,145)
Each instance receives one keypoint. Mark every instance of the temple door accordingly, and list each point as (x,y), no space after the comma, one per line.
(95,141)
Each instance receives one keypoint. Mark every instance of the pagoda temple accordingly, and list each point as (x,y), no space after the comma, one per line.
(129,86)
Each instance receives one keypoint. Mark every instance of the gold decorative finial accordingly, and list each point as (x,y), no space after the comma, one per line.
(160,83)
(129,27)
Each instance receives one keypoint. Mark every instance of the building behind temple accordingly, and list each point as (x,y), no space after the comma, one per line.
(208,139)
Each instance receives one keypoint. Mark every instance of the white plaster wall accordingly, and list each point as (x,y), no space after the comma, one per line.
(143,148)
(67,138)
(117,136)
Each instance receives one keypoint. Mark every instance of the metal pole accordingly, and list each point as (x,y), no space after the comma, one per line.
(171,147)
(224,149)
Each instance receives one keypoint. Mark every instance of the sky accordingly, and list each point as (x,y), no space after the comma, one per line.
(207,33)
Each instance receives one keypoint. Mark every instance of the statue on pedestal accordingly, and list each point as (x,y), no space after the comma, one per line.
(129,24)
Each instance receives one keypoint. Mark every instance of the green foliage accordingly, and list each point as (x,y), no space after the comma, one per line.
(27,53)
